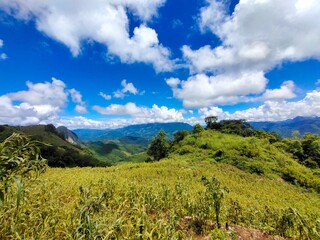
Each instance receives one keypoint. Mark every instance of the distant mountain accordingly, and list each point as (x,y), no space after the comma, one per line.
(285,128)
(68,135)
(142,132)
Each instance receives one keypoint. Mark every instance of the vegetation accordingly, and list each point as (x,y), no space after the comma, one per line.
(159,147)
(56,149)
(161,200)
(19,157)
(117,151)
(209,184)
(285,128)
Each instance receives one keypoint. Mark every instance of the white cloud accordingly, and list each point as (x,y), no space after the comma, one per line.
(117,109)
(126,88)
(105,96)
(139,115)
(3,56)
(154,114)
(272,110)
(40,103)
(201,90)
(81,109)
(104,22)
(250,35)
(47,93)
(286,91)
(77,98)
(250,45)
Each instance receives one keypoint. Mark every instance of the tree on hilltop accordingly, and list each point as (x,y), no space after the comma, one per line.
(159,146)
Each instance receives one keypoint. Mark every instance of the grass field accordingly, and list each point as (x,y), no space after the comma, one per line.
(162,200)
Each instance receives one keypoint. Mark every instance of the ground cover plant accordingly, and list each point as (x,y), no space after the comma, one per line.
(162,200)
(212,185)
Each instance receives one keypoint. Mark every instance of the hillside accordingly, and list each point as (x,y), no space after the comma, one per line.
(285,128)
(253,186)
(58,151)
(142,131)
(256,155)
(68,135)
(120,150)
(162,200)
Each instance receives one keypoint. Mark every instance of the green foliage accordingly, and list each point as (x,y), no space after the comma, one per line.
(162,200)
(311,147)
(116,151)
(179,136)
(197,129)
(68,157)
(217,192)
(240,127)
(19,158)
(250,154)
(159,147)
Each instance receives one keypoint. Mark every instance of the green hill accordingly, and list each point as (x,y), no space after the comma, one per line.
(251,154)
(255,185)
(58,151)
(115,151)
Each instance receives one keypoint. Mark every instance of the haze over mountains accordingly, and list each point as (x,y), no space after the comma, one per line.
(285,128)
(145,131)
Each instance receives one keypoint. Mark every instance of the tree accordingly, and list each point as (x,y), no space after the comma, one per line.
(179,135)
(211,122)
(159,146)
(197,129)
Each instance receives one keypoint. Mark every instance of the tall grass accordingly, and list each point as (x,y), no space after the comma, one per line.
(163,200)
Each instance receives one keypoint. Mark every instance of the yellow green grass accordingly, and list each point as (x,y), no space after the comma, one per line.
(153,201)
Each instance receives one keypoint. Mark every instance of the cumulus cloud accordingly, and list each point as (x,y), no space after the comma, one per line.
(40,103)
(286,91)
(77,98)
(272,110)
(105,22)
(105,96)
(81,109)
(251,45)
(154,114)
(126,88)
(250,35)
(201,90)
(1,43)
(47,93)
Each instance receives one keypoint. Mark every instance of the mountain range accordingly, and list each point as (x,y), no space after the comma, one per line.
(285,128)
(143,131)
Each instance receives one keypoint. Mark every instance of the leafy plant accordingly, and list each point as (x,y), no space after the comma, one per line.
(217,192)
(19,157)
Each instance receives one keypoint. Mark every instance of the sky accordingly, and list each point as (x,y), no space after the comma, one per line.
(112,63)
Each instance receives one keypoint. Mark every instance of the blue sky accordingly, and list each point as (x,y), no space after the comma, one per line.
(111,63)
